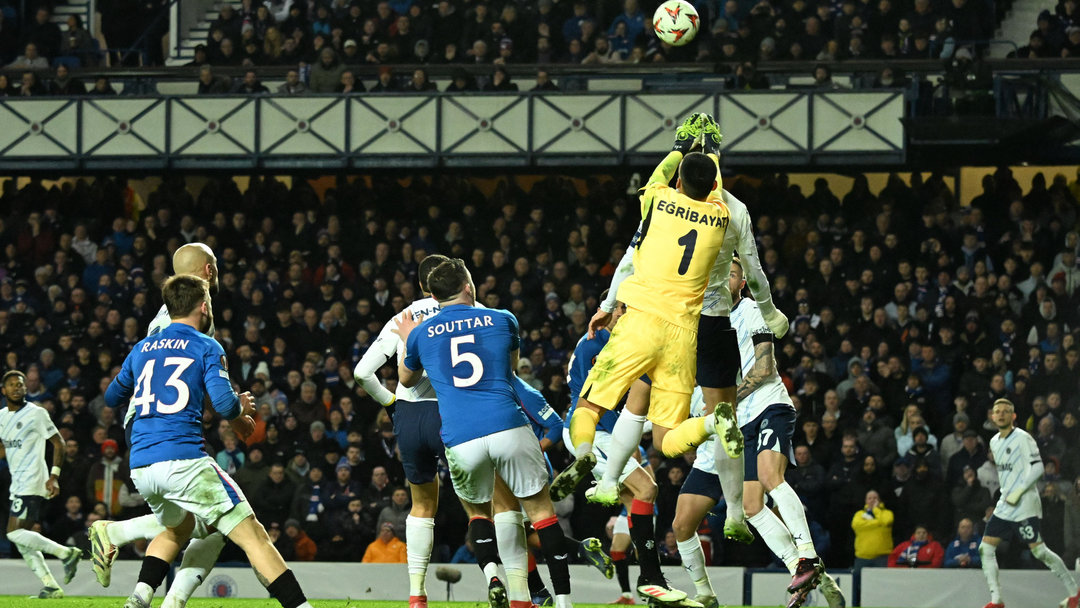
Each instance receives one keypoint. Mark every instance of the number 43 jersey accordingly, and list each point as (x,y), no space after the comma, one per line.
(680,239)
(166,376)
(466,353)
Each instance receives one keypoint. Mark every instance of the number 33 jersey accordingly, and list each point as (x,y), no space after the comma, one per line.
(166,376)
(466,354)
(680,239)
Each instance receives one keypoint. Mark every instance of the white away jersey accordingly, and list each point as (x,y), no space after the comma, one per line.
(706,455)
(1014,457)
(388,344)
(750,327)
(25,433)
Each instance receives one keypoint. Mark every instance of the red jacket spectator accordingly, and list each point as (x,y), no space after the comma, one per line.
(921,551)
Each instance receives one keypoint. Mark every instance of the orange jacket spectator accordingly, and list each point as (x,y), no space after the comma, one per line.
(305,547)
(921,551)
(387,549)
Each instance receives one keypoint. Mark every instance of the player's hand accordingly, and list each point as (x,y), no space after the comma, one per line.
(687,133)
(53,487)
(710,135)
(405,324)
(1014,497)
(777,322)
(243,426)
(247,404)
(599,321)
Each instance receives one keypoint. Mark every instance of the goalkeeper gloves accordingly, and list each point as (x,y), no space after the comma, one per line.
(710,132)
(777,322)
(687,133)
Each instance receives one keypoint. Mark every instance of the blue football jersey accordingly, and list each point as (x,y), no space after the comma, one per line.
(166,377)
(466,353)
(544,421)
(584,356)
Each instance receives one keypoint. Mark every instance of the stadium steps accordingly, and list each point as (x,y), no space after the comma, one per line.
(1018,24)
(197,35)
(71,7)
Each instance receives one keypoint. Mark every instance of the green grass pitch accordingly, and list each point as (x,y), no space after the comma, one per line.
(12,601)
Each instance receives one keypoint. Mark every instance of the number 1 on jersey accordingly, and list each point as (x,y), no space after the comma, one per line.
(688,241)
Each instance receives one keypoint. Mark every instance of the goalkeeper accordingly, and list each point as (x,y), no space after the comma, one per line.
(717,347)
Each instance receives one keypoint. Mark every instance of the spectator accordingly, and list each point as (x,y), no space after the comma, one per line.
(43,33)
(963,551)
(876,439)
(292,85)
(386,549)
(70,523)
(305,548)
(971,456)
(250,85)
(970,499)
(342,490)
(920,551)
(231,458)
(102,87)
(873,533)
(420,82)
(63,84)
(255,469)
(109,481)
(386,82)
(349,83)
(78,42)
(6,90)
(272,499)
(29,60)
(209,84)
(307,503)
(396,512)
(326,73)
(465,554)
(500,81)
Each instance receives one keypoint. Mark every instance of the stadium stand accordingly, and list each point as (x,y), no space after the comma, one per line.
(910,313)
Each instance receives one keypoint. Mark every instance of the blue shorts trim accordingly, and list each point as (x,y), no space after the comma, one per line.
(417,425)
(229,489)
(702,483)
(1028,530)
(771,430)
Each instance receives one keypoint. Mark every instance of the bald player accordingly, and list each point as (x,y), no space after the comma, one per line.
(106,537)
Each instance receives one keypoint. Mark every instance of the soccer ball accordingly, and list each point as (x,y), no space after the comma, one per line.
(676,22)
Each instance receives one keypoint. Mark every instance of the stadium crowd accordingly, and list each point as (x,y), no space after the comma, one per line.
(323,40)
(910,314)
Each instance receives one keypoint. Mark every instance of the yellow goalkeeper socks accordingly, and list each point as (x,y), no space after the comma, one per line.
(583,426)
(690,433)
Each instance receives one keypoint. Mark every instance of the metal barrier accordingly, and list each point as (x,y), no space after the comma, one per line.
(337,132)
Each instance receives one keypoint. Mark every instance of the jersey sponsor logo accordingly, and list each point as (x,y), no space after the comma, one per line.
(165,344)
(13,444)
(1005,467)
(692,216)
(425,312)
(446,327)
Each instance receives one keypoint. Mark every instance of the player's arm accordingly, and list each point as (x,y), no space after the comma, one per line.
(623,271)
(53,484)
(219,387)
(763,369)
(538,410)
(384,347)
(410,370)
(756,280)
(1034,474)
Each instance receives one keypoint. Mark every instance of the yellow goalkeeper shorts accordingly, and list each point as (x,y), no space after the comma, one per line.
(643,344)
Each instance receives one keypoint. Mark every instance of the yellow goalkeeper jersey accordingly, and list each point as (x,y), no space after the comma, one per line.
(680,239)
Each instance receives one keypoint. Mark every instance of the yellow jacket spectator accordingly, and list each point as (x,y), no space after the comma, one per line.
(873,533)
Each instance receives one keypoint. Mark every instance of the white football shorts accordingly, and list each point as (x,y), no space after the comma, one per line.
(174,488)
(514,454)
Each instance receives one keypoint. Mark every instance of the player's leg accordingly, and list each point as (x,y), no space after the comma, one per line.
(731,472)
(988,554)
(635,344)
(651,582)
(472,471)
(160,553)
(624,441)
(513,545)
(199,558)
(699,494)
(1029,531)
(417,426)
(106,538)
(25,511)
(270,568)
(620,546)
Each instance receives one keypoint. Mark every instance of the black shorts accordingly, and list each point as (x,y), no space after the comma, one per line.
(417,426)
(772,430)
(1027,530)
(27,508)
(702,484)
(718,359)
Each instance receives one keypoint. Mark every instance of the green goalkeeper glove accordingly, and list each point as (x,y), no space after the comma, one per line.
(687,133)
(710,132)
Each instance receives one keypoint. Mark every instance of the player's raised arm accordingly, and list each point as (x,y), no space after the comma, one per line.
(382,349)
(755,275)
(685,136)
(539,413)
(219,388)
